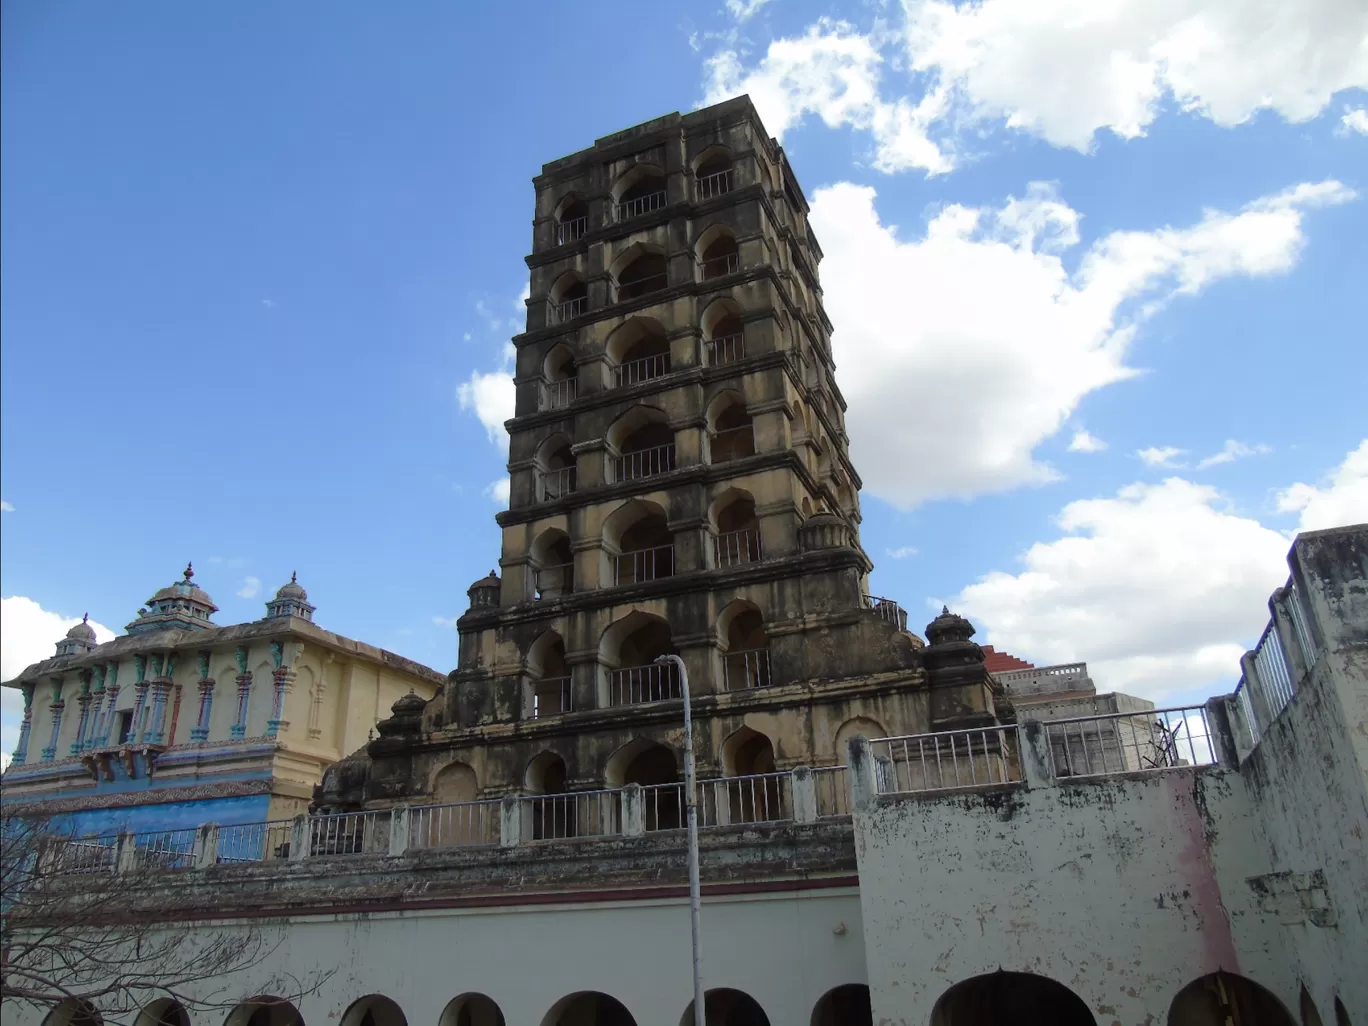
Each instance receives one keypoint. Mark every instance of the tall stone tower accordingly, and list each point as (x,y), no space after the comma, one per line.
(680,483)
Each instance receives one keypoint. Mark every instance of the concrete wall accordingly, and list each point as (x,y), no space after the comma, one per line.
(785,950)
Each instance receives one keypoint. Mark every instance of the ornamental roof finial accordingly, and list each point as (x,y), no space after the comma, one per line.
(189,570)
(85,618)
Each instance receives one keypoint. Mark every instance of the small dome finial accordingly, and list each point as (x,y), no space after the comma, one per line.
(85,618)
(945,610)
(294,577)
(189,570)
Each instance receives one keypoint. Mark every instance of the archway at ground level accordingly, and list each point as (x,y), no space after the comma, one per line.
(726,1007)
(163,1012)
(1018,999)
(374,1010)
(847,1005)
(265,1011)
(1220,998)
(73,1012)
(471,1010)
(588,1008)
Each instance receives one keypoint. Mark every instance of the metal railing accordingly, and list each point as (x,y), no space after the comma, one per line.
(636,207)
(746,668)
(633,372)
(255,842)
(165,849)
(454,825)
(710,186)
(948,759)
(551,696)
(1301,627)
(1270,667)
(732,443)
(832,787)
(554,581)
(716,267)
(886,608)
(571,230)
(86,856)
(557,394)
(727,349)
(567,309)
(349,833)
(736,548)
(658,459)
(637,287)
(644,565)
(637,685)
(556,817)
(1085,746)
(663,807)
(557,483)
(759,798)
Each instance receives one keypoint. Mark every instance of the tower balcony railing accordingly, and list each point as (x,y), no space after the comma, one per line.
(885,608)
(716,267)
(634,372)
(555,581)
(566,309)
(571,230)
(726,349)
(711,186)
(637,685)
(555,484)
(745,669)
(557,394)
(636,287)
(732,443)
(737,548)
(644,565)
(550,696)
(659,459)
(631,208)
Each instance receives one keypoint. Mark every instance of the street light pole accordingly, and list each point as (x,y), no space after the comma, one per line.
(691,808)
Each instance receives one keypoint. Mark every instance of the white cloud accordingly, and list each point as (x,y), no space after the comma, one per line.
(492,398)
(832,71)
(28,634)
(1160,456)
(269,304)
(994,380)
(1160,589)
(498,491)
(901,552)
(5,507)
(1231,452)
(1342,500)
(251,588)
(1061,69)
(1067,69)
(744,10)
(445,621)
(1085,442)
(1355,120)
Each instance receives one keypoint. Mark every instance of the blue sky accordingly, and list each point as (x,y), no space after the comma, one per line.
(261,263)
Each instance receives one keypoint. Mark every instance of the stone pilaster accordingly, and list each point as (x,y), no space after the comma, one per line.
(244,692)
(283,679)
(25,727)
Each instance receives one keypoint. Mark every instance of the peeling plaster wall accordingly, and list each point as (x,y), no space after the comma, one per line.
(783,950)
(1104,886)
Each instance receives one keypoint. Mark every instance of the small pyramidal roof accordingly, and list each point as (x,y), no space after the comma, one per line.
(290,600)
(183,605)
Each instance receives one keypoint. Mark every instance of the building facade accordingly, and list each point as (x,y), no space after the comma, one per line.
(1229,890)
(180,719)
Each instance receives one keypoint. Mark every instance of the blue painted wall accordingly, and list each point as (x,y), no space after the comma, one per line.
(167,816)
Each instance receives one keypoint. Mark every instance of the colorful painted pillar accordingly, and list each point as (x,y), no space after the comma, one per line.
(111,704)
(83,722)
(50,752)
(200,731)
(139,697)
(244,691)
(25,727)
(284,679)
(161,691)
(97,712)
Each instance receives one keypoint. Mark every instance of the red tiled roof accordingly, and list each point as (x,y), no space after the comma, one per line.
(1000,662)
